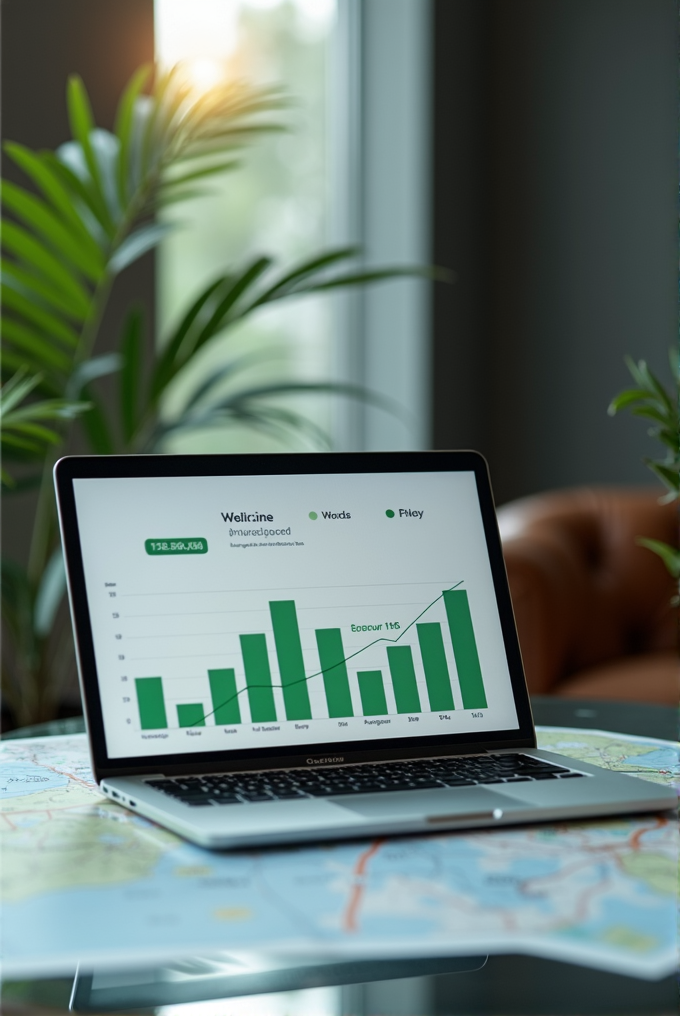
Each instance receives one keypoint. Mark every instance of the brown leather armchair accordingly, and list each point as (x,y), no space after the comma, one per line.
(593,608)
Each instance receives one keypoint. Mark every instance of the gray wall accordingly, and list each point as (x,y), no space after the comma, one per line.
(556,201)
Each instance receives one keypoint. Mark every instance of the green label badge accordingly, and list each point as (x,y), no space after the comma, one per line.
(193,545)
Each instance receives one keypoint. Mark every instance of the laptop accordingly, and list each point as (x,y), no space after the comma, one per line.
(294,647)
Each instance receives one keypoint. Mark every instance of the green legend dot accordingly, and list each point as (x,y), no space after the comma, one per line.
(313,516)
(389,513)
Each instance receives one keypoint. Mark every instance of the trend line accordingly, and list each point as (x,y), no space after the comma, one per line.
(309,677)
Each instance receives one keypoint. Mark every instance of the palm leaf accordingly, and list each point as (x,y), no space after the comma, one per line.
(22,423)
(36,287)
(46,223)
(124,128)
(41,171)
(82,128)
(44,354)
(32,252)
(46,321)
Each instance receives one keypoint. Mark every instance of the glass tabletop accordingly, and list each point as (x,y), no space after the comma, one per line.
(495,985)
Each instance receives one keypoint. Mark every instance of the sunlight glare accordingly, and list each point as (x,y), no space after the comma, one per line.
(204,33)
(205,73)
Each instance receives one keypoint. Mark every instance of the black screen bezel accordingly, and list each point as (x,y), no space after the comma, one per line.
(110,466)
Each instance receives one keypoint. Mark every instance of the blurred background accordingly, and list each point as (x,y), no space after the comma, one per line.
(530,147)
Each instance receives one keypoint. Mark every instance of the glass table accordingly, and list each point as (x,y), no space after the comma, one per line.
(497,985)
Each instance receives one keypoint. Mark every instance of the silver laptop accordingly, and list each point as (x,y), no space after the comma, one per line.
(279,648)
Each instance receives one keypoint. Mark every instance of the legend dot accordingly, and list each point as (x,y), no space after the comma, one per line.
(313,516)
(389,513)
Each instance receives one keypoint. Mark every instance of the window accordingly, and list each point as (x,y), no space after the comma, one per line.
(354,169)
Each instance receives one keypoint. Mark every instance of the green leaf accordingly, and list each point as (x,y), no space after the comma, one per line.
(46,355)
(216,377)
(125,117)
(138,243)
(172,197)
(82,126)
(380,275)
(669,555)
(105,146)
(199,174)
(97,428)
(34,430)
(36,287)
(235,287)
(164,102)
(669,476)
(40,169)
(131,353)
(51,409)
(53,326)
(14,440)
(68,243)
(38,258)
(23,437)
(91,209)
(90,370)
(266,391)
(647,380)
(298,275)
(21,486)
(163,371)
(15,390)
(626,398)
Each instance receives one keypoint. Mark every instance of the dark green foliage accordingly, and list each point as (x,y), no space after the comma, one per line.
(650,400)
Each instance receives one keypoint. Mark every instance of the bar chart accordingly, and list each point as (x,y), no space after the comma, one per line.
(415,671)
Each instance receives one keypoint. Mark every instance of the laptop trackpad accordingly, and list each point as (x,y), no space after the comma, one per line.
(463,801)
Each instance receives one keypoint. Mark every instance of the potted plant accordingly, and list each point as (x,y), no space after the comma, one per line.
(91,212)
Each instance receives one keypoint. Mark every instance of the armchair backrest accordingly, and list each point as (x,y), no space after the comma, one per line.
(583,591)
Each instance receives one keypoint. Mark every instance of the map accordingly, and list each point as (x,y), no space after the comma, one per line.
(84,880)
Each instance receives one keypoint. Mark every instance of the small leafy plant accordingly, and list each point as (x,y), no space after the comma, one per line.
(650,400)
(91,211)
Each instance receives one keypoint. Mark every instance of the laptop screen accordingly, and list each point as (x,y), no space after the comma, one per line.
(272,611)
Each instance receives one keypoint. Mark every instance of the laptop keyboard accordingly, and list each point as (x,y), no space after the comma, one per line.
(286,784)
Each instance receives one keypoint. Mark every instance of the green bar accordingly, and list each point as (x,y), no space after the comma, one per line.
(436,668)
(258,678)
(335,680)
(465,648)
(400,659)
(224,696)
(180,545)
(191,715)
(291,663)
(151,703)
(373,701)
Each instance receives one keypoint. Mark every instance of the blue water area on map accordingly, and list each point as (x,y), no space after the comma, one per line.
(21,778)
(647,927)
(661,758)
